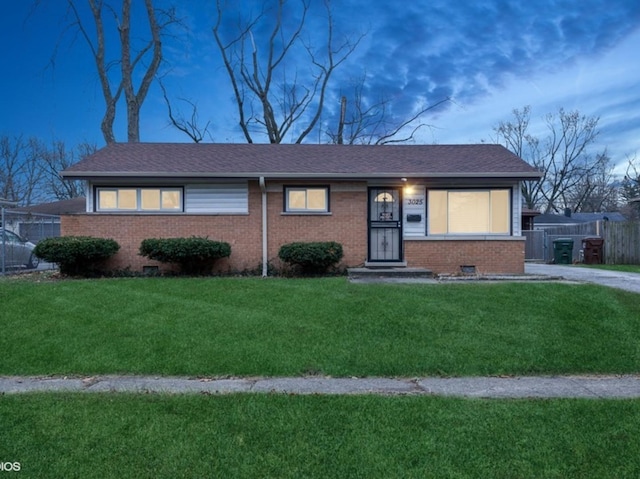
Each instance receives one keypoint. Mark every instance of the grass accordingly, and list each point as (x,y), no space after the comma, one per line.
(158,436)
(249,326)
(277,327)
(624,268)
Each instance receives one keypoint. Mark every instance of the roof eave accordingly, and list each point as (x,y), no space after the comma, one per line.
(255,175)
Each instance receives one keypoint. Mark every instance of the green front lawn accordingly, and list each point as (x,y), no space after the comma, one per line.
(287,327)
(624,268)
(277,436)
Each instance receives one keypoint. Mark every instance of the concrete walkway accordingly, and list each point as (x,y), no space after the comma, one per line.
(613,279)
(595,387)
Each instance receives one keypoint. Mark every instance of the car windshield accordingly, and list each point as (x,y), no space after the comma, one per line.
(11,237)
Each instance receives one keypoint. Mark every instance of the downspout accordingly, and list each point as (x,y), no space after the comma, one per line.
(263,189)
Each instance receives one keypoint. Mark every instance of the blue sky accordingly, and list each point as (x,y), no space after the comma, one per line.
(488,56)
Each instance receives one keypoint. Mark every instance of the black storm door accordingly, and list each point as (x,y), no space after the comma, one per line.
(385,224)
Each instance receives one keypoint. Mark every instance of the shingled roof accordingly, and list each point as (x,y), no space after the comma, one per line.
(300,160)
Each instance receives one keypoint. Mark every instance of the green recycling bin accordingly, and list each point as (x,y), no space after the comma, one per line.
(563,251)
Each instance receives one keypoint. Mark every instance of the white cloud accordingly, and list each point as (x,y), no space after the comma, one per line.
(606,87)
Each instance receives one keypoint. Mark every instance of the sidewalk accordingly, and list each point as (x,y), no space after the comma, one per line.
(595,387)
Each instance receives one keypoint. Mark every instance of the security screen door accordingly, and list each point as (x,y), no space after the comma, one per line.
(385,224)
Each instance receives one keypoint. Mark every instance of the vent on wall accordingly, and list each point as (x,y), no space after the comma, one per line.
(150,270)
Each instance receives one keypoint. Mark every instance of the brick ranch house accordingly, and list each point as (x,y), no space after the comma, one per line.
(440,207)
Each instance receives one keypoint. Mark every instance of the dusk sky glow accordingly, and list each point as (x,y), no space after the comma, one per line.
(488,56)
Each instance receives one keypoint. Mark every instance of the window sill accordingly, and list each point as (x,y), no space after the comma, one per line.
(306,213)
(137,212)
(163,213)
(464,238)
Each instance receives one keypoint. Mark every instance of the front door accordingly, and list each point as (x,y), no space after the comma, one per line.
(385,224)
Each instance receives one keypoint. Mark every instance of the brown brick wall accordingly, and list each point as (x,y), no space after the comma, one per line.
(242,232)
(492,256)
(346,224)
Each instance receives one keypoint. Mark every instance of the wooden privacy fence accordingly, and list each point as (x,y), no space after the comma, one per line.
(539,243)
(621,241)
(534,245)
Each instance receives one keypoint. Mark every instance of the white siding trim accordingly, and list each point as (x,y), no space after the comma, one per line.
(516,208)
(88,187)
(217,198)
(414,203)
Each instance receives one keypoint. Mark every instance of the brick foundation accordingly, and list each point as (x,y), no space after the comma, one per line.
(447,256)
(346,224)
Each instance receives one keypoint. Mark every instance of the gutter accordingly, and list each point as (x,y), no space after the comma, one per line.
(263,190)
(69,175)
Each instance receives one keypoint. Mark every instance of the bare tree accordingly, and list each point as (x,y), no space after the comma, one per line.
(371,123)
(56,158)
(595,192)
(630,188)
(562,156)
(30,170)
(267,94)
(141,63)
(516,137)
(20,170)
(190,127)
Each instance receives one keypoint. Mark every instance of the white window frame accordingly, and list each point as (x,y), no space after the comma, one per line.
(447,212)
(139,190)
(305,189)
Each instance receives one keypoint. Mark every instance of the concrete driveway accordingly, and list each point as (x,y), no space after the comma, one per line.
(613,279)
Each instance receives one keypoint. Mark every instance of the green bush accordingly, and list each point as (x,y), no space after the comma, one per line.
(312,258)
(194,255)
(77,255)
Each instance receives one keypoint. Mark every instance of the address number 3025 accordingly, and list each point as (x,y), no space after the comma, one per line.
(415,201)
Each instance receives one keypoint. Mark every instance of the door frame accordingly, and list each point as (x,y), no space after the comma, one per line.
(393,224)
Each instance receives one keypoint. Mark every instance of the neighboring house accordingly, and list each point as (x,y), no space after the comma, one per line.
(36,222)
(56,208)
(528,218)
(550,220)
(440,207)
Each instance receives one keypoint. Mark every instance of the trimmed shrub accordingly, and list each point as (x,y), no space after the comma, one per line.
(194,255)
(77,255)
(313,257)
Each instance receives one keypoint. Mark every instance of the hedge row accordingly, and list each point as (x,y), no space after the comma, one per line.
(311,258)
(77,255)
(85,255)
(195,256)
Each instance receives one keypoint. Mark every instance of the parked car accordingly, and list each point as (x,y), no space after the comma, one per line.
(16,251)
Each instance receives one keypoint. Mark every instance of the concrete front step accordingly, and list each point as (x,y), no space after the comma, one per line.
(388,272)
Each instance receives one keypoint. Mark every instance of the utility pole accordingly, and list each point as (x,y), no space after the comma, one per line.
(343,111)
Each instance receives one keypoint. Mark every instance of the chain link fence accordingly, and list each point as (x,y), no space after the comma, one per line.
(20,232)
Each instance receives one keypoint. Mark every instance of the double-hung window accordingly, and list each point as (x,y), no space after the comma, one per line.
(470,212)
(139,199)
(306,199)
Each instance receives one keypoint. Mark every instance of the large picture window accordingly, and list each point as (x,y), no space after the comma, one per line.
(306,199)
(139,199)
(469,212)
